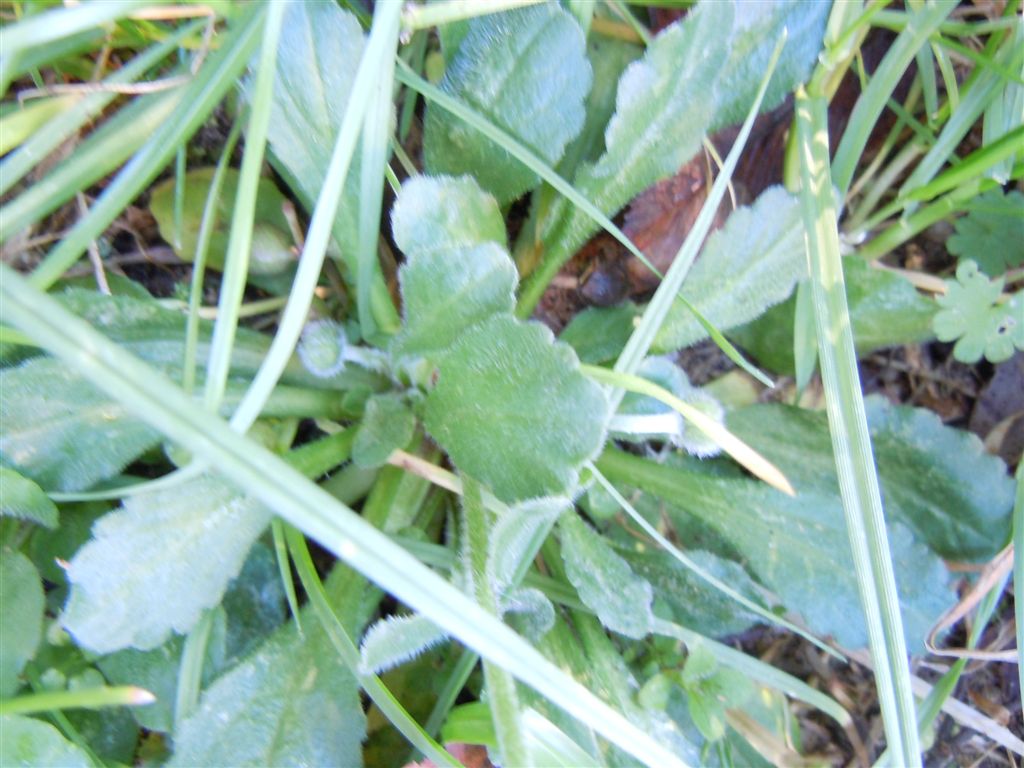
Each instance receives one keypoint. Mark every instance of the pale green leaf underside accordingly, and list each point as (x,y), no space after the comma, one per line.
(21,619)
(971,316)
(291,703)
(512,409)
(318,54)
(514,533)
(396,640)
(525,70)
(154,565)
(30,742)
(60,432)
(604,581)
(387,425)
(747,266)
(23,499)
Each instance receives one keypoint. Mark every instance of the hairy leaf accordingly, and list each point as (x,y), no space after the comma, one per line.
(750,264)
(395,640)
(61,432)
(444,213)
(513,535)
(154,565)
(971,316)
(604,581)
(271,239)
(30,742)
(885,310)
(936,479)
(527,71)
(387,425)
(529,611)
(796,546)
(292,702)
(992,232)
(21,619)
(512,409)
(23,499)
(318,54)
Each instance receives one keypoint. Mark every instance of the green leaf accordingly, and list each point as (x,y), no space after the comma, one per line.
(971,317)
(936,479)
(529,611)
(443,213)
(31,742)
(992,232)
(515,534)
(61,432)
(397,639)
(318,52)
(21,619)
(290,703)
(795,546)
(23,499)
(157,563)
(387,425)
(604,581)
(885,310)
(271,239)
(750,264)
(598,334)
(512,409)
(527,71)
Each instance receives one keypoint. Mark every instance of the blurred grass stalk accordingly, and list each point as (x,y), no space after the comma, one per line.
(851,443)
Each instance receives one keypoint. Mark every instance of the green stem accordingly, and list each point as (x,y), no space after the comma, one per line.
(87,698)
(501,687)
(424,16)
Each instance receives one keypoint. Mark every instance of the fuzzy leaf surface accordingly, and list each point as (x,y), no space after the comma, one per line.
(885,310)
(154,565)
(516,530)
(21,619)
(23,499)
(936,479)
(61,432)
(513,410)
(291,702)
(387,425)
(527,71)
(31,742)
(992,232)
(318,54)
(440,213)
(750,264)
(796,546)
(604,581)
(397,639)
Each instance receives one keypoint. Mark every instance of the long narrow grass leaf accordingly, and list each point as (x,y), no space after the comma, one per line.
(851,443)
(311,509)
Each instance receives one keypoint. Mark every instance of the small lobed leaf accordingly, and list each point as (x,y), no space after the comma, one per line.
(30,742)
(512,409)
(153,566)
(21,619)
(387,425)
(527,71)
(749,265)
(992,232)
(289,703)
(605,582)
(395,640)
(23,499)
(971,315)
(61,432)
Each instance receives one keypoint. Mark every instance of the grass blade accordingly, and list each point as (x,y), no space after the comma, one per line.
(851,442)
